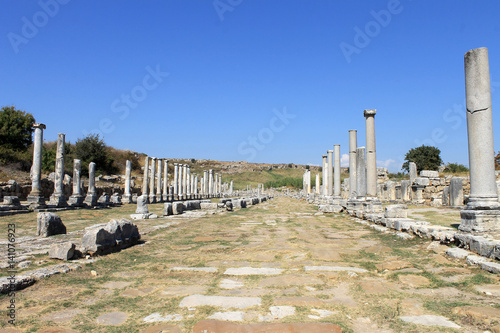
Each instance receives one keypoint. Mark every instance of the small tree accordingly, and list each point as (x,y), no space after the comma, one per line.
(93,149)
(425,157)
(15,128)
(455,168)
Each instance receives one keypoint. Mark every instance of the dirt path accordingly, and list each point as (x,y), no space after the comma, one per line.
(274,262)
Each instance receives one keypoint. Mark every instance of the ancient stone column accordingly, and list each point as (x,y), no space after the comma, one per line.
(35,197)
(210,182)
(371,156)
(361,172)
(195,186)
(91,198)
(176,181)
(483,191)
(413,172)
(76,198)
(181,181)
(353,145)
(57,198)
(330,173)
(188,181)
(127,196)
(159,182)
(336,171)
(152,179)
(145,177)
(184,180)
(318,182)
(231,188)
(205,183)
(165,180)
(324,172)
(220,184)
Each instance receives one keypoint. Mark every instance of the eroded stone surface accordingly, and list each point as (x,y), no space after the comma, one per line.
(112,318)
(220,301)
(253,271)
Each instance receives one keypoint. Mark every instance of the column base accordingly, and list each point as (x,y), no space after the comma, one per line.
(127,199)
(58,200)
(36,201)
(91,200)
(76,200)
(480,222)
(152,199)
(159,198)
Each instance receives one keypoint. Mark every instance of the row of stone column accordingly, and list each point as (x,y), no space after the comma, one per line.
(184,184)
(58,199)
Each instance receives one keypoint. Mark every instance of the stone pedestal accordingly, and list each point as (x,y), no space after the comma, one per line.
(35,197)
(480,222)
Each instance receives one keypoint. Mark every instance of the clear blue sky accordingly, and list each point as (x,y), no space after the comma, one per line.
(232,65)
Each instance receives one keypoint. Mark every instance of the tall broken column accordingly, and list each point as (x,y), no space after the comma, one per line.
(482,212)
(371,156)
(181,182)
(231,188)
(165,180)
(210,182)
(91,198)
(336,171)
(57,198)
(76,198)
(35,197)
(176,181)
(324,172)
(318,182)
(184,181)
(360,173)
(188,182)
(220,184)
(127,195)
(152,195)
(330,173)
(353,145)
(145,178)
(159,182)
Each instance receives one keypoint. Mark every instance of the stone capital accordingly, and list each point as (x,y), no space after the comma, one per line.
(39,125)
(369,112)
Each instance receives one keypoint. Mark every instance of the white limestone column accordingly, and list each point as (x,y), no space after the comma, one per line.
(353,145)
(324,172)
(371,156)
(127,196)
(181,181)
(165,180)
(336,171)
(361,172)
(210,182)
(318,182)
(58,197)
(330,173)
(159,182)
(91,198)
(176,179)
(35,197)
(483,189)
(152,195)
(145,178)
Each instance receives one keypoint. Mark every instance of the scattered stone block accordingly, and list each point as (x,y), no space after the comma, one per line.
(177,208)
(62,251)
(335,269)
(475,260)
(491,267)
(167,209)
(11,200)
(115,235)
(278,312)
(429,320)
(253,271)
(49,224)
(457,253)
(142,205)
(396,211)
(208,205)
(421,181)
(429,174)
